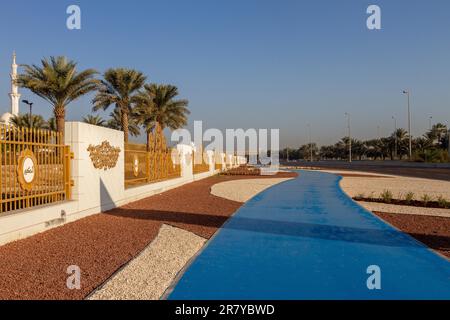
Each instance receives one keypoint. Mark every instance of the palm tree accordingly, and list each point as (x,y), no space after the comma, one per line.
(33,124)
(58,82)
(359,148)
(118,88)
(327,153)
(51,124)
(437,135)
(157,109)
(402,142)
(116,123)
(422,144)
(304,152)
(23,120)
(94,120)
(387,148)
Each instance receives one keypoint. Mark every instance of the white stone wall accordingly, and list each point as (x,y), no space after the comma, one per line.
(95,190)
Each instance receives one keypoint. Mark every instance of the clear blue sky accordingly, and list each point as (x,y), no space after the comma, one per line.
(254,63)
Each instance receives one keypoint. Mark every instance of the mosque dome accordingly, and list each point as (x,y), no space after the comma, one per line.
(6,118)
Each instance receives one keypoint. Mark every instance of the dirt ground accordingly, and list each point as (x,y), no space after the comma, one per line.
(432,231)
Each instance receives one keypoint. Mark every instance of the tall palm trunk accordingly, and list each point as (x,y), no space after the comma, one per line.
(60,117)
(125,125)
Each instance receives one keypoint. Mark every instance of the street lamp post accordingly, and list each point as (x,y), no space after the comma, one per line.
(430,119)
(30,115)
(395,136)
(409,123)
(448,139)
(310,143)
(349,138)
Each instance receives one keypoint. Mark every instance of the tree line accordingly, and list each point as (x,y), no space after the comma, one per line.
(433,146)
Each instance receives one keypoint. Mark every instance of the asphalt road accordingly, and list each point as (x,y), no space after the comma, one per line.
(417,170)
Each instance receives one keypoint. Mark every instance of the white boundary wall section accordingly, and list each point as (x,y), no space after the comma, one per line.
(95,190)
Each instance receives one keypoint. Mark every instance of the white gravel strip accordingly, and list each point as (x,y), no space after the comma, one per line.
(391,208)
(364,173)
(369,186)
(151,273)
(244,190)
(399,186)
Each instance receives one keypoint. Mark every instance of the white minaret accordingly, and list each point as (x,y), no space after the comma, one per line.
(14,95)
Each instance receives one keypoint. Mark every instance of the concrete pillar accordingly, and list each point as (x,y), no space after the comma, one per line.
(211,161)
(186,152)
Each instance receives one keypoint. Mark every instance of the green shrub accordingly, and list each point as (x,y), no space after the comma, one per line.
(431,155)
(443,203)
(426,199)
(409,197)
(386,196)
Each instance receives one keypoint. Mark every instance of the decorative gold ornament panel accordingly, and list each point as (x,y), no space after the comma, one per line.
(27,169)
(104,156)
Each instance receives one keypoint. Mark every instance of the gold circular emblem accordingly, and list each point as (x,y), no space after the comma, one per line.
(135,165)
(27,169)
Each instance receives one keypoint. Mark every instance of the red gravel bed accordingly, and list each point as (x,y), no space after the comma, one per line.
(360,175)
(412,203)
(35,268)
(243,171)
(432,231)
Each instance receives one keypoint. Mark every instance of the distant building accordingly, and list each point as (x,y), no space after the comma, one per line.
(14,95)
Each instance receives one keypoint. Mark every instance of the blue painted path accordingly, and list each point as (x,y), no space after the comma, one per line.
(305,239)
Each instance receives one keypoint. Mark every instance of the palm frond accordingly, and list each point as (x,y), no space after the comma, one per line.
(156,104)
(94,120)
(57,81)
